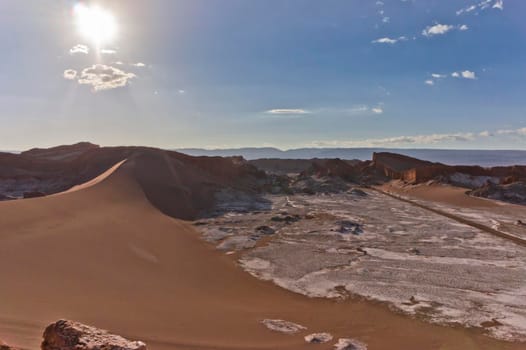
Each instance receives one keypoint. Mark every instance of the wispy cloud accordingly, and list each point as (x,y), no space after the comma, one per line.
(387,40)
(515,132)
(356,110)
(400,140)
(499,4)
(481,6)
(287,111)
(70,74)
(102,77)
(435,77)
(138,64)
(431,139)
(79,48)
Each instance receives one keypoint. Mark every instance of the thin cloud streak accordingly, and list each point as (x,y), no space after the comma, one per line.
(287,111)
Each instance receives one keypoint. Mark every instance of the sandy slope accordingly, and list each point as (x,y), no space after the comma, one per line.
(104,255)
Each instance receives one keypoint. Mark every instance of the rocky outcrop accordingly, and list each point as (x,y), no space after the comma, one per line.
(349,344)
(283,326)
(4,346)
(318,338)
(70,335)
(7,347)
(512,193)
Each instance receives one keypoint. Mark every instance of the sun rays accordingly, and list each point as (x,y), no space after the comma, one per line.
(95,24)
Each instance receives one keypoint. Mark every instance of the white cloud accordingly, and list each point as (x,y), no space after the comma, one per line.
(108,52)
(400,140)
(516,132)
(287,111)
(138,64)
(181,92)
(386,19)
(70,74)
(358,109)
(438,76)
(102,77)
(387,40)
(463,27)
(499,4)
(467,74)
(79,48)
(437,29)
(429,82)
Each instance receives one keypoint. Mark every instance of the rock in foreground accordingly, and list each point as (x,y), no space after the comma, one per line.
(69,335)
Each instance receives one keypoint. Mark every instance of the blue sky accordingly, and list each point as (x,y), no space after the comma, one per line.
(283,73)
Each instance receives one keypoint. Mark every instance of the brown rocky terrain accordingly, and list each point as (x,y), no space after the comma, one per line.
(416,171)
(192,180)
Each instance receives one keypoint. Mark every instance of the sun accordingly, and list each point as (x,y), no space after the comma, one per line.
(95,24)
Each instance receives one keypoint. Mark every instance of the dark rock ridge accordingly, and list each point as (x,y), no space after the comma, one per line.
(64,152)
(179,185)
(514,192)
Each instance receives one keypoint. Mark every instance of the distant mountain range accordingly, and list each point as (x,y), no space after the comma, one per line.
(446,156)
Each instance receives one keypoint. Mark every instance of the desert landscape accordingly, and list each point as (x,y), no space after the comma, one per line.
(261,175)
(207,252)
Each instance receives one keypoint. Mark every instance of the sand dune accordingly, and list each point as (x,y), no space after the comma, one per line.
(104,255)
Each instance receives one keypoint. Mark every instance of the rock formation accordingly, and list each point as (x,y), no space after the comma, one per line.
(318,338)
(69,335)
(283,326)
(349,344)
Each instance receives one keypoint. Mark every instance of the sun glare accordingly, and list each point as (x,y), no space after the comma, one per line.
(95,24)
